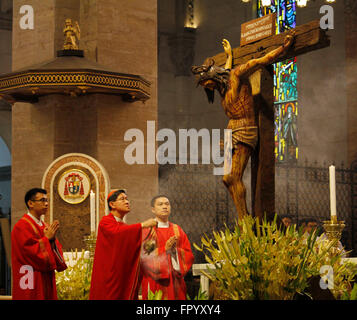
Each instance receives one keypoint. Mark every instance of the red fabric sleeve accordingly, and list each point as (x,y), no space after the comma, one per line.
(114,229)
(184,253)
(58,255)
(115,273)
(36,251)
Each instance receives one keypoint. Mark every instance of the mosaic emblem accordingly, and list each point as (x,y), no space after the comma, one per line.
(74,186)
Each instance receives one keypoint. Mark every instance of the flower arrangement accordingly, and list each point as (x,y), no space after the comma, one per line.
(259,260)
(74,282)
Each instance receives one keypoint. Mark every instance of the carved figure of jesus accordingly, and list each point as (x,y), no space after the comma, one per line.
(237,101)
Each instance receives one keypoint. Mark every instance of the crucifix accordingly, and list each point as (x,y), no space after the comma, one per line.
(243,77)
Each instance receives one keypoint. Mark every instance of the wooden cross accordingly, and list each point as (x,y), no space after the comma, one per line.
(308,37)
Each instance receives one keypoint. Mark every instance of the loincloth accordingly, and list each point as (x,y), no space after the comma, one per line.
(247,135)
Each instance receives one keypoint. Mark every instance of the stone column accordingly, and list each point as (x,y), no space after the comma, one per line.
(118,34)
(351,83)
(182,51)
(123,36)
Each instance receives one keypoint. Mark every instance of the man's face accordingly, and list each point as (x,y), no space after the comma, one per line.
(39,204)
(286,221)
(311,226)
(121,204)
(162,208)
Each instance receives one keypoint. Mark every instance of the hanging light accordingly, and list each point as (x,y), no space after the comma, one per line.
(330,1)
(245,1)
(301,3)
(266,3)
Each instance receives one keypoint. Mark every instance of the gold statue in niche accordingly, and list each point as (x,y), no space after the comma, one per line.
(72,35)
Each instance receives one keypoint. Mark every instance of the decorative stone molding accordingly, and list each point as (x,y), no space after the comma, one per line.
(100,185)
(71,74)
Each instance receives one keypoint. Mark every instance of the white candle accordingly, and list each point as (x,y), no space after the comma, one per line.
(332,191)
(92,211)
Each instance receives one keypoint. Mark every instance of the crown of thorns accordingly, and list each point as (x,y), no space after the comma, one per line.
(209,71)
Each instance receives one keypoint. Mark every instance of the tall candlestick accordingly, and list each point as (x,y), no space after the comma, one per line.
(332,192)
(92,211)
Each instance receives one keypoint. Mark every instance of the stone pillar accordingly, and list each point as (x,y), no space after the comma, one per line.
(32,151)
(5,66)
(5,123)
(182,51)
(118,34)
(351,83)
(125,39)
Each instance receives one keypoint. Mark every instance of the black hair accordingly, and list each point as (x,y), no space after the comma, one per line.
(153,200)
(286,216)
(210,95)
(114,196)
(209,71)
(31,194)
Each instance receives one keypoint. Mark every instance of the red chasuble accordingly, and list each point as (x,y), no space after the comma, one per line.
(157,268)
(34,260)
(116,261)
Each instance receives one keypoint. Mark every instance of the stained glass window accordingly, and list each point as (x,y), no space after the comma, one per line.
(285,85)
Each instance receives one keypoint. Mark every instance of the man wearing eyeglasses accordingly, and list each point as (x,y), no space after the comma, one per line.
(116,264)
(36,253)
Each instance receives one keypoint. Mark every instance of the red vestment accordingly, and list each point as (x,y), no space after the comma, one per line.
(116,262)
(157,267)
(34,260)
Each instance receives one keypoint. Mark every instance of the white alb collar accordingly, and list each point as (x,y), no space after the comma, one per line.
(162,224)
(117,218)
(39,222)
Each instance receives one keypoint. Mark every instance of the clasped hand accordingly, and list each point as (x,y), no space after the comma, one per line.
(51,230)
(171,244)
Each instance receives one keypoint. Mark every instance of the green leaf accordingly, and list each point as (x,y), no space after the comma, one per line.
(354,292)
(258,260)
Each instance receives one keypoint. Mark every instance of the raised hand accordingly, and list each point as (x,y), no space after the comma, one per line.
(171,243)
(149,223)
(228,50)
(227,47)
(51,230)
